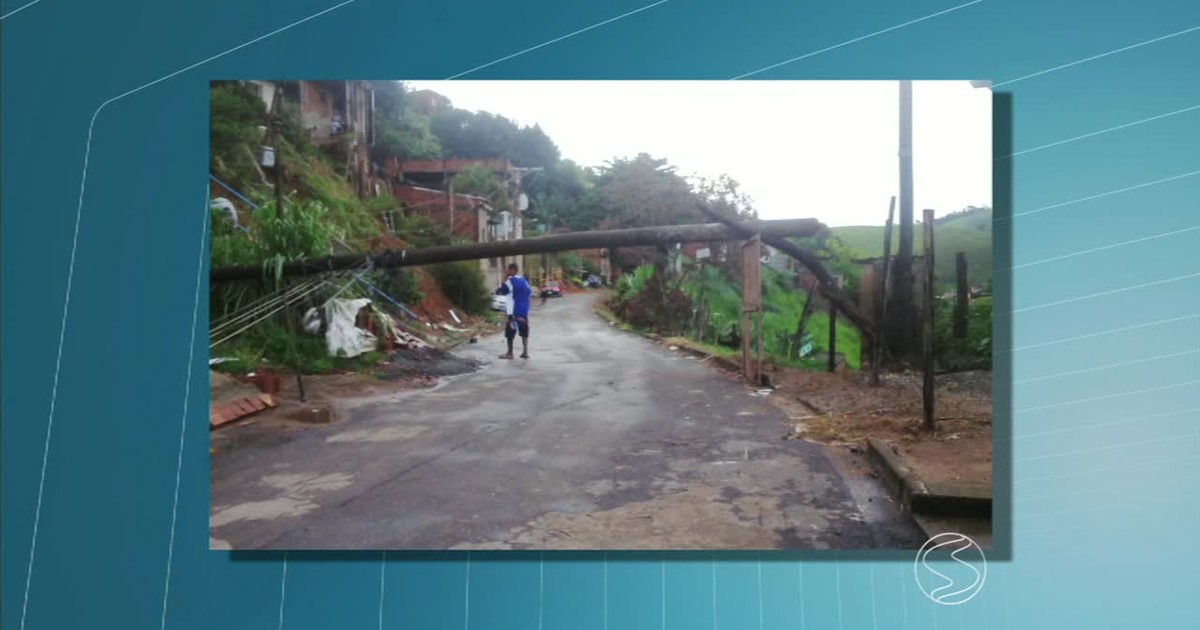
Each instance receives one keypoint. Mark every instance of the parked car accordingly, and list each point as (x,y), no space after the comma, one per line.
(499,302)
(594,282)
(552,289)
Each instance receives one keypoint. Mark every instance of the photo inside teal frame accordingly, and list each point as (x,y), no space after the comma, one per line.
(609,315)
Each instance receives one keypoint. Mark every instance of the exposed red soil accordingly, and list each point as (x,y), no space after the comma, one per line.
(844,409)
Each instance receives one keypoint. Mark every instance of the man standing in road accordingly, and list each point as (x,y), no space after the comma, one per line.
(519,294)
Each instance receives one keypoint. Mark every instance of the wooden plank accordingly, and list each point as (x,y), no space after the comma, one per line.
(241,408)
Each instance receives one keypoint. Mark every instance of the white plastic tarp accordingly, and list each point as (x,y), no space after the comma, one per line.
(342,336)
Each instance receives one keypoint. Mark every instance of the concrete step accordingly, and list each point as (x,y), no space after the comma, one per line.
(942,499)
(977,529)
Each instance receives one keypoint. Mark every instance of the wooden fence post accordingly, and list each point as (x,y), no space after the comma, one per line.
(751,304)
(962,303)
(929,389)
(832,337)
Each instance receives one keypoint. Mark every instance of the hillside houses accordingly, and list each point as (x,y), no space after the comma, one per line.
(339,118)
(425,187)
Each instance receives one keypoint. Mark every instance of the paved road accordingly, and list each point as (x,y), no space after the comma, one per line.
(601,440)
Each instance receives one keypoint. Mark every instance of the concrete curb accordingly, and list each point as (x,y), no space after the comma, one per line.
(705,356)
(695,352)
(917,497)
(897,474)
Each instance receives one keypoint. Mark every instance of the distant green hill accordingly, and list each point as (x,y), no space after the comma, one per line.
(968,231)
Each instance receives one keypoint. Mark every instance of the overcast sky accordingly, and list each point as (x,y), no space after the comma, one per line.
(821,149)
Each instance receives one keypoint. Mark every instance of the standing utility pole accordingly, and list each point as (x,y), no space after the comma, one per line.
(903,305)
(277,135)
(276,123)
(928,315)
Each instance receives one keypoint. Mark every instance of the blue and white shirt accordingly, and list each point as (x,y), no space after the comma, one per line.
(518,296)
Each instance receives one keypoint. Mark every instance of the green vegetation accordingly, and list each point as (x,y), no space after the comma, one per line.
(480,181)
(973,352)
(967,231)
(712,305)
(400,131)
(323,213)
(463,283)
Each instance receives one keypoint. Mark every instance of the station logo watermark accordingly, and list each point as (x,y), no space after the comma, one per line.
(950,569)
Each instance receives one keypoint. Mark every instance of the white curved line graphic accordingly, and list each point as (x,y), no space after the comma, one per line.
(974,583)
(925,563)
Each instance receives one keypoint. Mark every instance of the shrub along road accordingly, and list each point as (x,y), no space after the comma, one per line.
(602,440)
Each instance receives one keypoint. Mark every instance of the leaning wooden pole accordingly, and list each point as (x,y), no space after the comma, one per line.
(635,237)
(828,285)
(878,345)
(929,388)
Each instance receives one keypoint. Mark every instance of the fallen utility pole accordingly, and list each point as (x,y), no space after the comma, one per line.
(607,239)
(829,287)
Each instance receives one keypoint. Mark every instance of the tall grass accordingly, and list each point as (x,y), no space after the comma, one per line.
(716,304)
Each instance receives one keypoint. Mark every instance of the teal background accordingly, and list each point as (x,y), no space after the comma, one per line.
(1105,378)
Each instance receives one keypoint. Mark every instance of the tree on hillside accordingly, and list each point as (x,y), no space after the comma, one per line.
(533,147)
(427,102)
(485,135)
(235,132)
(477,180)
(401,131)
(645,191)
(565,196)
(971,217)
(724,195)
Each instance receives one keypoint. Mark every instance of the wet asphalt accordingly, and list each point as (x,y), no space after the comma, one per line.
(601,440)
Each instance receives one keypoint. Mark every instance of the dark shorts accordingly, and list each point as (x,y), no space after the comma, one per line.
(517,325)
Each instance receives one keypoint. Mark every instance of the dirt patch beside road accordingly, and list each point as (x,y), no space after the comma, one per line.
(843,409)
